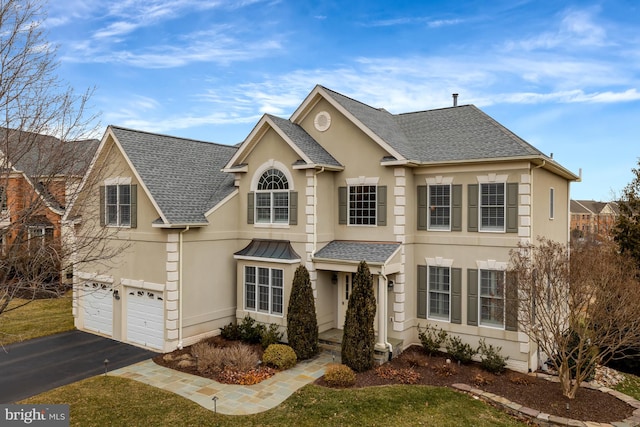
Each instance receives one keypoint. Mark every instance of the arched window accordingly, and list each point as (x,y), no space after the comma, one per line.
(272,197)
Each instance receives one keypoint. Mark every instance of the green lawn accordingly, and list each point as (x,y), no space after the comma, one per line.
(107,400)
(36,319)
(630,386)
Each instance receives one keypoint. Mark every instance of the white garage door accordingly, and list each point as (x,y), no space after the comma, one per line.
(97,303)
(145,318)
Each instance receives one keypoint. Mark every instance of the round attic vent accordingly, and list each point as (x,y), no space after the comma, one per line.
(322,121)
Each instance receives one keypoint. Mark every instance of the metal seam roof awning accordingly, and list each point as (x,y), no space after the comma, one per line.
(268,250)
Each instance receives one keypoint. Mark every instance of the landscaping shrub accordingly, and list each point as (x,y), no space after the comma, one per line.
(271,335)
(490,358)
(231,332)
(460,351)
(432,339)
(250,331)
(211,359)
(445,369)
(240,357)
(358,340)
(520,379)
(280,356)
(302,324)
(338,375)
(480,379)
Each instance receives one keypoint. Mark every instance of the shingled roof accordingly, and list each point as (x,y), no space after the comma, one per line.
(449,134)
(349,250)
(314,151)
(183,175)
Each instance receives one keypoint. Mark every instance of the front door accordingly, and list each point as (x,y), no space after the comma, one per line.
(345,288)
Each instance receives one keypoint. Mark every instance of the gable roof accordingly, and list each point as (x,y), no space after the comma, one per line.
(41,157)
(455,134)
(593,207)
(182,176)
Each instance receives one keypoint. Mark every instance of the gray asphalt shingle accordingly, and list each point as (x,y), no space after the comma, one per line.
(183,175)
(348,250)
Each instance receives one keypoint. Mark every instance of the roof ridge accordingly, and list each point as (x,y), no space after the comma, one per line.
(171,136)
(434,109)
(380,109)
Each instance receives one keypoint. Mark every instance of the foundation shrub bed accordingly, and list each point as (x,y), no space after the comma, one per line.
(460,351)
(490,358)
(402,375)
(432,339)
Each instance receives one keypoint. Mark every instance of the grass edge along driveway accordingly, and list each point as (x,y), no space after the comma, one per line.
(100,400)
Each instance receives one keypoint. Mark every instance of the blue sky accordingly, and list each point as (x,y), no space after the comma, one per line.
(563,75)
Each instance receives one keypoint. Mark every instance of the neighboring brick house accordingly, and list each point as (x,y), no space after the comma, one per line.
(591,218)
(38,174)
(433,201)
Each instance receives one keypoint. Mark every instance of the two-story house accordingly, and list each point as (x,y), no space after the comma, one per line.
(38,176)
(592,218)
(433,201)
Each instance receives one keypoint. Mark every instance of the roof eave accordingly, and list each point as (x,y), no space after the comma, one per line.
(181,225)
(317,166)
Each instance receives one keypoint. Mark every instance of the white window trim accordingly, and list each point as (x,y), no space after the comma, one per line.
(116,182)
(492,179)
(429,185)
(357,182)
(438,262)
(257,291)
(496,266)
(255,179)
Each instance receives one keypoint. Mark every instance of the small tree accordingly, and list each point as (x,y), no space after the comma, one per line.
(580,310)
(302,324)
(627,230)
(359,337)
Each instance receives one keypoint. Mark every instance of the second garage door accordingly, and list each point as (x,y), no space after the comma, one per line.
(145,318)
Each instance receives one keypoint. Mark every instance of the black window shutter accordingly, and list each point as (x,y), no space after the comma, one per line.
(422,207)
(103,202)
(472,297)
(250,211)
(511,306)
(512,207)
(422,291)
(342,205)
(472,221)
(293,208)
(456,207)
(134,206)
(456,295)
(382,205)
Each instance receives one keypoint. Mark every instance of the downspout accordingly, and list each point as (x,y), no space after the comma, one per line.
(180,298)
(384,311)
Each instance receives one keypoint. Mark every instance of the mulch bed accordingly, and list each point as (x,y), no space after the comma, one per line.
(530,391)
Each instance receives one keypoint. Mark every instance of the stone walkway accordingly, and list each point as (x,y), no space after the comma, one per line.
(231,399)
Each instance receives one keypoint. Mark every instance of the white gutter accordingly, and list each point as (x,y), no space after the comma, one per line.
(180,296)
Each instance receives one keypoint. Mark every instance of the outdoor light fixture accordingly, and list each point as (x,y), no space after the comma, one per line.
(390,285)
(334,278)
(106,364)
(215,404)
(116,295)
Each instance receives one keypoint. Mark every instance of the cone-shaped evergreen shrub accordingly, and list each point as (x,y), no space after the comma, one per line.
(359,338)
(302,324)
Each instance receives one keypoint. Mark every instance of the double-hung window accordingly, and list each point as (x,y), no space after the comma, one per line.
(272,198)
(492,206)
(263,290)
(118,205)
(439,207)
(439,292)
(362,204)
(492,298)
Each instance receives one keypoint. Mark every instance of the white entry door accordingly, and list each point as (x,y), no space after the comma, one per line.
(97,304)
(345,288)
(145,318)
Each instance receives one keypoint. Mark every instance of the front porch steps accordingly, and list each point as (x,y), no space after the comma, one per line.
(331,341)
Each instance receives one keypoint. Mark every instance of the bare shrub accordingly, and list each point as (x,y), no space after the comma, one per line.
(241,357)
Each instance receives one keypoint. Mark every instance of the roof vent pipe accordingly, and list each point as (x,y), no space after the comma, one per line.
(455,99)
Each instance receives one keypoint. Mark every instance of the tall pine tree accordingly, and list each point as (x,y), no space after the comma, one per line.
(359,337)
(302,324)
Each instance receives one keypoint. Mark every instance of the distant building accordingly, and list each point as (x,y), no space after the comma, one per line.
(589,217)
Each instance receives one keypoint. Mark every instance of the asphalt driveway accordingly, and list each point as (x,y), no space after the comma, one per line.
(41,364)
